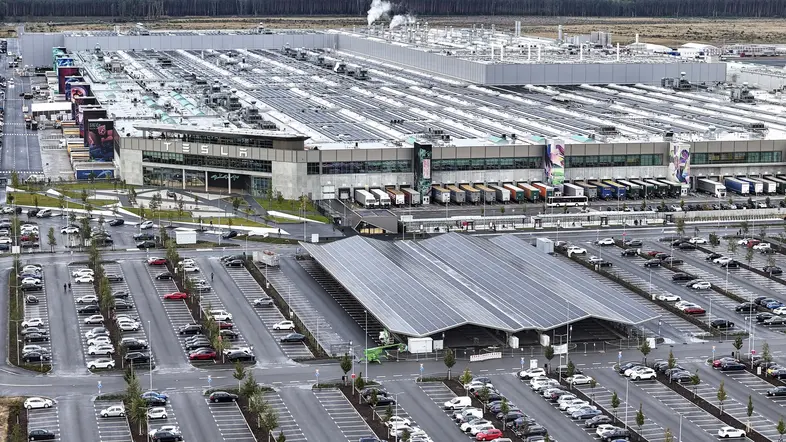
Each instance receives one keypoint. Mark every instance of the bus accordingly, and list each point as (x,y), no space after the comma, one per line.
(566,201)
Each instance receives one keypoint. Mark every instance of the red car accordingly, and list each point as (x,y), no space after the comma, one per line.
(653,253)
(224,325)
(694,310)
(156,261)
(489,434)
(718,362)
(176,295)
(202,354)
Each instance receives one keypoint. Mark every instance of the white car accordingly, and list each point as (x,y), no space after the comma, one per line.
(727,432)
(779,311)
(156,413)
(190,268)
(69,230)
(576,250)
(32,347)
(762,246)
(465,426)
(576,408)
(595,259)
(697,240)
(703,285)
(31,281)
(722,260)
(187,262)
(579,379)
(398,420)
(633,369)
(605,242)
(125,318)
(565,398)
(96,332)
(221,315)
(95,319)
(146,225)
(33,322)
(284,325)
(668,297)
(102,363)
(85,279)
(602,428)
(101,349)
(128,326)
(743,242)
(475,429)
(38,402)
(532,373)
(477,385)
(5,240)
(99,340)
(87,299)
(572,403)
(398,429)
(83,272)
(174,429)
(113,411)
(646,373)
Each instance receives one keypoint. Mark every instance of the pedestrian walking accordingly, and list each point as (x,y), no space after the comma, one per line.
(69,286)
(64,287)
(211,276)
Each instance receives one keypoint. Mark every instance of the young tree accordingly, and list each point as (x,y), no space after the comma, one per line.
(84,195)
(258,407)
(466,377)
(714,240)
(749,255)
(766,356)
(549,354)
(695,380)
(236,203)
(680,224)
(138,413)
(346,364)
(749,411)
(360,384)
(373,400)
(388,413)
(593,383)
(281,437)
(239,374)
(505,407)
(781,428)
(732,245)
(15,180)
(484,394)
(406,435)
(672,361)
(737,345)
(570,370)
(615,403)
(51,240)
(682,204)
(450,360)
(640,417)
(645,349)
(250,387)
(744,227)
(722,396)
(667,436)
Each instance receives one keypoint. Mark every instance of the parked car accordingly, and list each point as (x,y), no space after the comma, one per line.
(116,222)
(722,323)
(746,307)
(40,434)
(773,270)
(652,263)
(727,432)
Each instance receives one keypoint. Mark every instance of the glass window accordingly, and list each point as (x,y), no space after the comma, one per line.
(619,160)
(698,158)
(312,169)
(478,164)
(633,160)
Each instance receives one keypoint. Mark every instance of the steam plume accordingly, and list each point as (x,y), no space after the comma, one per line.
(399,20)
(377,10)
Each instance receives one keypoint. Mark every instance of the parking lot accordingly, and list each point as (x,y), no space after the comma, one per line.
(39,310)
(176,310)
(171,418)
(286,423)
(44,419)
(80,290)
(111,429)
(270,316)
(439,394)
(230,421)
(349,422)
(122,286)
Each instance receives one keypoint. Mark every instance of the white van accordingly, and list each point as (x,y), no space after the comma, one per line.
(458,402)
(221,315)
(44,213)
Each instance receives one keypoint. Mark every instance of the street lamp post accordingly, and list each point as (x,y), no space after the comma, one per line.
(150,360)
(679,435)
(627,407)
(365,356)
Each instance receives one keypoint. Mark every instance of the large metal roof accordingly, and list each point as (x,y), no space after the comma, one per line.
(418,288)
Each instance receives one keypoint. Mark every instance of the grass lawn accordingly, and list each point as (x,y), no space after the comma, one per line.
(236,221)
(175,216)
(269,239)
(94,201)
(27,199)
(292,207)
(100,185)
(163,214)
(282,220)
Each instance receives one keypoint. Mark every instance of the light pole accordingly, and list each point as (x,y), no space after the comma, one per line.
(679,435)
(365,355)
(396,396)
(150,360)
(627,406)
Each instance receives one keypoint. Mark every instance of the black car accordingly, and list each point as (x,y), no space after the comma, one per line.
(122,305)
(533,430)
(731,365)
(661,256)
(114,277)
(777,391)
(164,276)
(133,344)
(621,369)
(136,357)
(36,337)
(673,261)
(91,309)
(166,436)
(746,307)
(293,337)
(190,329)
(721,323)
(681,377)
(779,373)
(616,433)
(652,263)
(146,245)
(773,270)
(759,300)
(171,194)
(144,237)
(731,264)
(763,316)
(234,263)
(385,401)
(222,396)
(368,391)
(197,345)
(31,287)
(230,234)
(240,356)
(39,434)
(32,212)
(598,420)
(679,276)
(30,330)
(30,299)
(226,258)
(712,256)
(36,356)
(687,246)
(116,222)
(628,252)
(120,294)
(103,241)
(228,334)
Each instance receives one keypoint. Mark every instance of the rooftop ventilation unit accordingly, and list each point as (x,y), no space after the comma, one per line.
(756,127)
(742,94)
(607,130)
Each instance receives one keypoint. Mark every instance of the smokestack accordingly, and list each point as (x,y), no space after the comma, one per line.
(618,52)
(559,33)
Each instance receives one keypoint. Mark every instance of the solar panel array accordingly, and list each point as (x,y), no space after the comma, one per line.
(425,287)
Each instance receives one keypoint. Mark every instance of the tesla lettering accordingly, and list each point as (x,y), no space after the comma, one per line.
(166,146)
(204,149)
(186,148)
(242,152)
(224,152)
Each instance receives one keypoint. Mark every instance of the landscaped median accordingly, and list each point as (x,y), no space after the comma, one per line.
(16,315)
(13,419)
(352,393)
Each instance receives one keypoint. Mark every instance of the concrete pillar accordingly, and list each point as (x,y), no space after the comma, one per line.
(229,183)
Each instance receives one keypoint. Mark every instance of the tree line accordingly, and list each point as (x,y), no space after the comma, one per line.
(135,9)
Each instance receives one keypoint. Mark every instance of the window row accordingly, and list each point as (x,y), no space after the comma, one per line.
(346,167)
(207,161)
(614,160)
(736,157)
(229,141)
(487,164)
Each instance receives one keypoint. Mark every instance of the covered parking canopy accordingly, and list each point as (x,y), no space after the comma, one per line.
(419,288)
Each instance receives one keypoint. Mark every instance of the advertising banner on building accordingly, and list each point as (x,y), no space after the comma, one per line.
(63,74)
(679,167)
(87,114)
(422,160)
(97,174)
(68,82)
(78,102)
(57,52)
(101,139)
(64,60)
(78,90)
(554,162)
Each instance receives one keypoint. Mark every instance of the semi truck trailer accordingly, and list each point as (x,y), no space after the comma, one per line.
(472,194)
(440,195)
(617,190)
(604,190)
(411,196)
(712,187)
(737,186)
(634,190)
(383,200)
(531,193)
(569,189)
(396,196)
(545,191)
(590,191)
(516,194)
(487,194)
(503,194)
(755,186)
(457,195)
(365,198)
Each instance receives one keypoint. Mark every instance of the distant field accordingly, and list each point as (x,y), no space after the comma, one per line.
(667,31)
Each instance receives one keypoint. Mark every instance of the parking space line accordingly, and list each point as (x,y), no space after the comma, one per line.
(349,422)
(176,311)
(44,419)
(111,429)
(286,422)
(39,309)
(230,422)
